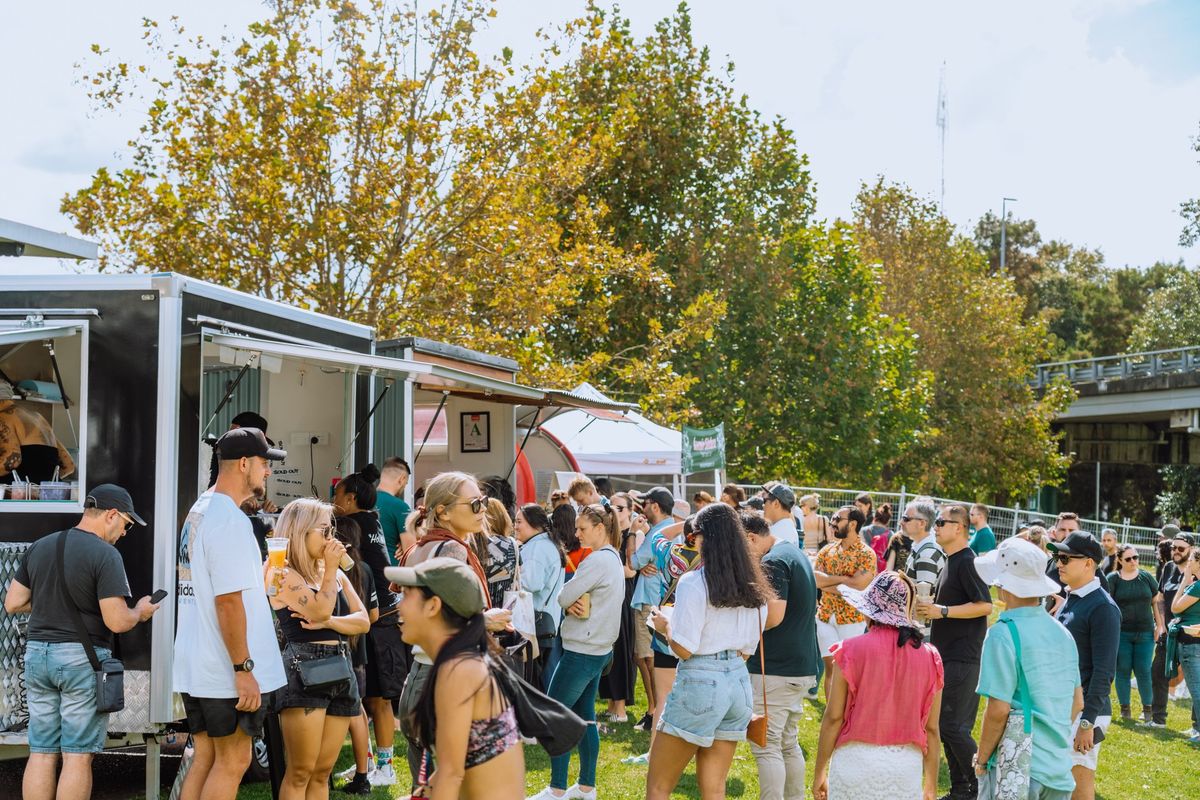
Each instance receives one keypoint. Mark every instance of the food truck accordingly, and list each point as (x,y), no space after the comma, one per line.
(131,374)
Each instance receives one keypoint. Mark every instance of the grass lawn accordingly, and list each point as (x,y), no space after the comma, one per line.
(1143,763)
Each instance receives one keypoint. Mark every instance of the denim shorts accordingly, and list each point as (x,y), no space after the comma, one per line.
(340,700)
(711,699)
(60,689)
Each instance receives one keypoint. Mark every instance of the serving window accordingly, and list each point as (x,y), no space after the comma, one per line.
(43,419)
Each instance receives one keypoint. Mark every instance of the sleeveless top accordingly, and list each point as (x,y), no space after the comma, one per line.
(294,633)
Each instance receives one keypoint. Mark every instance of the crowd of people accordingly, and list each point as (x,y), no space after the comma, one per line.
(444,622)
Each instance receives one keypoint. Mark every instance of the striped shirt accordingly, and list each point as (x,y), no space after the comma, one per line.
(925,561)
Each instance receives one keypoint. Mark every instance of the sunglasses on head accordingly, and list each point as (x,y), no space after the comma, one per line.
(476,505)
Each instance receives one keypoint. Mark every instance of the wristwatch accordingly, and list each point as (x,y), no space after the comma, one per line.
(945,611)
(1085,725)
(245,666)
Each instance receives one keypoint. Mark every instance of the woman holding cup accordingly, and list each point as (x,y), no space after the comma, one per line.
(318,610)
(592,601)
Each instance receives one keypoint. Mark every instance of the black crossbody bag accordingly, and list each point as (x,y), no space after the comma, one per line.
(110,673)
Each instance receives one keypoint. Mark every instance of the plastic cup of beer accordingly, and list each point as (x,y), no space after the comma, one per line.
(276,552)
(347,562)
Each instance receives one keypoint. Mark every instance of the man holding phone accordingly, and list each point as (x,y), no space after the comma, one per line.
(59,679)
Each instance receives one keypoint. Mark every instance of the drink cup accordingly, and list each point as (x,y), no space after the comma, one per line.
(586,600)
(276,552)
(924,590)
(347,562)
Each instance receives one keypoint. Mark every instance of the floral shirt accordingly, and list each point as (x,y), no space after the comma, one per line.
(836,559)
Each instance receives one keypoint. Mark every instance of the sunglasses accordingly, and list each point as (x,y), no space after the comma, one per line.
(1180,548)
(476,505)
(1130,560)
(836,520)
(128,522)
(907,518)
(944,522)
(1064,558)
(326,531)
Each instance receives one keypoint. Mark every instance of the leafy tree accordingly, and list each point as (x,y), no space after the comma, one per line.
(1171,317)
(812,381)
(988,434)
(1190,211)
(363,160)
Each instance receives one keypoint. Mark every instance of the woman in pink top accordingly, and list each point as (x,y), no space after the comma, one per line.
(884,700)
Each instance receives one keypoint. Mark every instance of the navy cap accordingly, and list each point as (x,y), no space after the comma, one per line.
(1079,543)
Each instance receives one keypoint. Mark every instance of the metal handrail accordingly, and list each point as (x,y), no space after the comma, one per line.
(1125,365)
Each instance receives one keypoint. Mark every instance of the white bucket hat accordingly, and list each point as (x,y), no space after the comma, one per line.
(1018,567)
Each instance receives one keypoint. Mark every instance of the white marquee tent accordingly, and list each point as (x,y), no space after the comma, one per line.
(632,445)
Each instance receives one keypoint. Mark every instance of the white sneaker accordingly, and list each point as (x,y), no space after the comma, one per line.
(1190,732)
(348,774)
(547,794)
(382,776)
(575,793)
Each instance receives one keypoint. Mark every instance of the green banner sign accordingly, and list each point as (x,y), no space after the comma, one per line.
(703,448)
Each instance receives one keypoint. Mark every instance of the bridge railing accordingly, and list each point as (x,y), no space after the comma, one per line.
(1125,365)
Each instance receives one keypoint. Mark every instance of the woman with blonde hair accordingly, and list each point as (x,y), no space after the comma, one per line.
(452,513)
(814,525)
(499,550)
(318,610)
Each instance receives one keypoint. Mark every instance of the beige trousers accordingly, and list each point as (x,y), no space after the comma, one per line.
(781,762)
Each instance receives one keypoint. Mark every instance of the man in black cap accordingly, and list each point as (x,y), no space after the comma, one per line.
(657,505)
(1095,621)
(1170,579)
(246,419)
(227,659)
(59,681)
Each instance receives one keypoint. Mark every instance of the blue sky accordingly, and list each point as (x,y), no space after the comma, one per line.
(1083,111)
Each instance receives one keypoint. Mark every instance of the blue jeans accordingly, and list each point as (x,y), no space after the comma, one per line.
(1189,661)
(60,689)
(574,684)
(1135,654)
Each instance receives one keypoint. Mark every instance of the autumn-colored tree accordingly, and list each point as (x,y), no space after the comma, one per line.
(988,434)
(812,381)
(363,160)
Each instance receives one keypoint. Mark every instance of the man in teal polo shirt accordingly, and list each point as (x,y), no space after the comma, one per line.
(1048,658)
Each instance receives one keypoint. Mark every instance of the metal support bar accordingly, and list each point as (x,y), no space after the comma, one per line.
(229,393)
(429,430)
(153,767)
(387,386)
(521,449)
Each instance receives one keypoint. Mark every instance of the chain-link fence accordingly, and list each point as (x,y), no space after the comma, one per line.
(1003,521)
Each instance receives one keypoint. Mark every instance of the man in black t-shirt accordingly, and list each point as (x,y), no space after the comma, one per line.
(959,610)
(59,679)
(790,656)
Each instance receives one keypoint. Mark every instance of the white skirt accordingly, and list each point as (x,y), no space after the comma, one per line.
(861,771)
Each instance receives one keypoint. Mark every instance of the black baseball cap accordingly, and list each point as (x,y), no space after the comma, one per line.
(250,419)
(1079,543)
(660,496)
(110,497)
(247,443)
(781,492)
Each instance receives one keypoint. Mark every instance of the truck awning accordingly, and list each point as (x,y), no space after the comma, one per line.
(37,333)
(431,377)
(327,357)
(556,401)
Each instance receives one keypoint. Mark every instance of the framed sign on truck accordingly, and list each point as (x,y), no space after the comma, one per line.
(476,429)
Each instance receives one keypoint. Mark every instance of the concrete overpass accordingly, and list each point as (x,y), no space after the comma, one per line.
(1133,408)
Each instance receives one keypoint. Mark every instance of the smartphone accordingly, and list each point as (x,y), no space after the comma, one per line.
(158,596)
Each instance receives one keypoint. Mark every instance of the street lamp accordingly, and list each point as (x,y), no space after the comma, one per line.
(1004,230)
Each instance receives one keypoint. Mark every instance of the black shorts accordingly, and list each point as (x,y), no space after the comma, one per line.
(218,716)
(664,661)
(386,667)
(338,701)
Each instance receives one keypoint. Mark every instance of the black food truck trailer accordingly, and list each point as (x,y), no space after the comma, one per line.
(130,374)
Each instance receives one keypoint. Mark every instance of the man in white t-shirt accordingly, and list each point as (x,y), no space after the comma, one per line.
(778,502)
(227,659)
